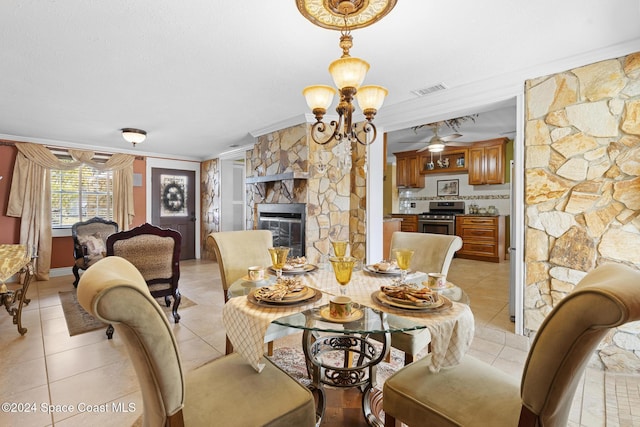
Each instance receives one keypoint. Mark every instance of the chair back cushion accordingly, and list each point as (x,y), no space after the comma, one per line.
(433,252)
(154,251)
(93,235)
(238,250)
(151,255)
(606,297)
(115,292)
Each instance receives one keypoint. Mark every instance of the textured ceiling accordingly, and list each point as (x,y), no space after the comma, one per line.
(201,76)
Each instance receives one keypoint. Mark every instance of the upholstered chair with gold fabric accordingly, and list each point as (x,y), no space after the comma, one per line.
(224,392)
(433,253)
(90,243)
(236,251)
(155,252)
(478,394)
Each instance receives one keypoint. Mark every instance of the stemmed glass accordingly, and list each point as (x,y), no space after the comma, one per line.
(339,247)
(403,258)
(279,258)
(342,268)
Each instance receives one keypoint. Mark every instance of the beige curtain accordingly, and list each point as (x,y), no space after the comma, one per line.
(30,197)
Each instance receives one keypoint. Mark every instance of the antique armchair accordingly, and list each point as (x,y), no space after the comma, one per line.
(225,392)
(476,393)
(432,254)
(236,251)
(89,243)
(155,252)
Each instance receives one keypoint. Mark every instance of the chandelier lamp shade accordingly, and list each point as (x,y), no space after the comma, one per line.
(134,136)
(348,73)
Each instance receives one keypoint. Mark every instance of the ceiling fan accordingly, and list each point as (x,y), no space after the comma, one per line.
(438,143)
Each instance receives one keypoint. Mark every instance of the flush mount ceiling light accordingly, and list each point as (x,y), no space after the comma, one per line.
(348,72)
(134,136)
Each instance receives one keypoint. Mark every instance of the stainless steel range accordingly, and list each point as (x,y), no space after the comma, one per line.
(441,218)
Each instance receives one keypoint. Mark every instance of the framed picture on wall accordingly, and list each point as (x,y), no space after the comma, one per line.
(448,187)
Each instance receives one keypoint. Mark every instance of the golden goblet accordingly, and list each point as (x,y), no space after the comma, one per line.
(279,258)
(403,258)
(339,247)
(342,268)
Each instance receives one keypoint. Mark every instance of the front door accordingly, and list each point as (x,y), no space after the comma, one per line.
(173,205)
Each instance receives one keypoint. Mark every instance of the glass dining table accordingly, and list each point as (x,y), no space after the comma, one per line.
(343,353)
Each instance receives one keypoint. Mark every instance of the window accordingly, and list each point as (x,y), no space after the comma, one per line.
(80,194)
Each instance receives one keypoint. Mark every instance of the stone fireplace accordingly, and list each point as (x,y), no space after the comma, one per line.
(286,168)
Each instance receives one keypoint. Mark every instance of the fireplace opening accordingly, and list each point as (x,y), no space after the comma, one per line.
(286,221)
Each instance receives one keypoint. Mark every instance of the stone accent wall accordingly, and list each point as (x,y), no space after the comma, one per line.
(209,203)
(582,188)
(335,197)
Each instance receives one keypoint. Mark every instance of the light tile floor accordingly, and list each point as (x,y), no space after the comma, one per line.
(54,379)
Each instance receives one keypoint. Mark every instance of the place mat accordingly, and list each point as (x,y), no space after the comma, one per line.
(80,321)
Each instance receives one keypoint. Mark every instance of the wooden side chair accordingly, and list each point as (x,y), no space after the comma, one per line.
(224,392)
(155,252)
(475,393)
(90,243)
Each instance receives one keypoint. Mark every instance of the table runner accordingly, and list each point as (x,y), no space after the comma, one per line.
(246,324)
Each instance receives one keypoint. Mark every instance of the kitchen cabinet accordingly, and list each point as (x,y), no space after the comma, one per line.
(483,237)
(450,160)
(409,222)
(407,170)
(486,161)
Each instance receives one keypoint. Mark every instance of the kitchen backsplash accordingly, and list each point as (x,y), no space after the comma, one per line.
(417,200)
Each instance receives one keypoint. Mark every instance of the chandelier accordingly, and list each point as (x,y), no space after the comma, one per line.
(347,72)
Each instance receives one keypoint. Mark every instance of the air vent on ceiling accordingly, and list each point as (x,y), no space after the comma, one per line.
(430,89)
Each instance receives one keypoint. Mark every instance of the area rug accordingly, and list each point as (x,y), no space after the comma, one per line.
(79,321)
(292,361)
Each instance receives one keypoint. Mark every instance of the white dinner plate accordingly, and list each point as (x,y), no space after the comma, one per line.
(391,272)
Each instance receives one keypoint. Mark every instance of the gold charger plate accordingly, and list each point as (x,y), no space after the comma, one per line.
(381,298)
(307,268)
(356,314)
(311,295)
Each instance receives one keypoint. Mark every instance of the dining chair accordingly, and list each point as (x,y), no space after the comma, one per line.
(225,392)
(432,254)
(155,252)
(476,393)
(90,243)
(236,251)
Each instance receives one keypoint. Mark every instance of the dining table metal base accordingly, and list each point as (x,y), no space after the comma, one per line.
(359,359)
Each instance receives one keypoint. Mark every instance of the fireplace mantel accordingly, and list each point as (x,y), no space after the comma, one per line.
(277,177)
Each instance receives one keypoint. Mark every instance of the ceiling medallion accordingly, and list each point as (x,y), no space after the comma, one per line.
(330,14)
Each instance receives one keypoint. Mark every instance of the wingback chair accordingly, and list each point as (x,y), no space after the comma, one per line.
(476,393)
(224,392)
(236,251)
(432,254)
(89,243)
(155,252)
